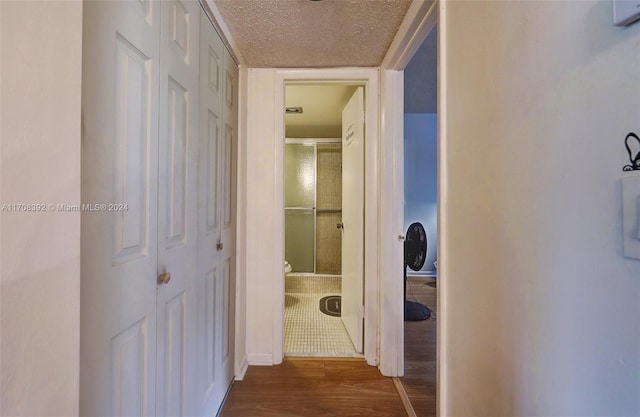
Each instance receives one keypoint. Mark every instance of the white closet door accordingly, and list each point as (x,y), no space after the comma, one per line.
(215,229)
(157,287)
(119,181)
(228,210)
(178,208)
(209,225)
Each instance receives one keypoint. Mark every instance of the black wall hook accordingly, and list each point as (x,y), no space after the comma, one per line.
(632,143)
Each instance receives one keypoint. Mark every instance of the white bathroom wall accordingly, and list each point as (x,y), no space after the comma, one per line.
(41,46)
(540,312)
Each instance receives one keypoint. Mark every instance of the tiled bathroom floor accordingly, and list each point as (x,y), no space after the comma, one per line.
(308,331)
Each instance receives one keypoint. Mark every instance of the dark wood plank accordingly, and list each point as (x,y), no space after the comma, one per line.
(314,388)
(419,379)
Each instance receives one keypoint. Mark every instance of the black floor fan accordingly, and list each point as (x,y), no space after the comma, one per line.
(415,253)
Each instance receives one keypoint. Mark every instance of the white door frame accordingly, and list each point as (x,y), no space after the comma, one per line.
(421,17)
(367,77)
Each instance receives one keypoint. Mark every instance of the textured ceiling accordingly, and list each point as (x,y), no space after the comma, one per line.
(304,33)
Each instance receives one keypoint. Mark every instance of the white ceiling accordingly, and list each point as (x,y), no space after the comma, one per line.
(322,106)
(305,33)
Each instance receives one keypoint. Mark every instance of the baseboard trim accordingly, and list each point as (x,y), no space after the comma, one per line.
(241,368)
(404,398)
(260,359)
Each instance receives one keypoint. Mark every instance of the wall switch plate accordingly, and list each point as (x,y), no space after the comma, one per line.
(625,12)
(631,216)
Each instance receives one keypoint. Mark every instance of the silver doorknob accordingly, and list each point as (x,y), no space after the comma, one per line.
(164,278)
(340,225)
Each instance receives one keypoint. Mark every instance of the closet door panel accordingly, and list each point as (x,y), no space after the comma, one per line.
(119,212)
(228,209)
(177,208)
(213,296)
(159,130)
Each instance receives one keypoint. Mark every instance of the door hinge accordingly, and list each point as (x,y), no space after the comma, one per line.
(361,312)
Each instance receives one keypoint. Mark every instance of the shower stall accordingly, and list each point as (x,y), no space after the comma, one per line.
(313,205)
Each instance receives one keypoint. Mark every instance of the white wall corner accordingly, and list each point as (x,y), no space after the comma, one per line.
(241,368)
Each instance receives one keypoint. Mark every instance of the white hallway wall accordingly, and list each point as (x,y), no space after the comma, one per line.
(40,46)
(541,311)
(259,218)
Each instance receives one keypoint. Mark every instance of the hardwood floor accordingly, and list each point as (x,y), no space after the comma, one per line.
(328,387)
(314,387)
(419,379)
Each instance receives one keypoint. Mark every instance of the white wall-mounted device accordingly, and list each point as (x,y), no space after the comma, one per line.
(625,12)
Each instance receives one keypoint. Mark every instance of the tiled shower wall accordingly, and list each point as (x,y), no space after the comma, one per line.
(328,208)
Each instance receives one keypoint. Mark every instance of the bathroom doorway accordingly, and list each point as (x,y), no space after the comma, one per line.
(313,222)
